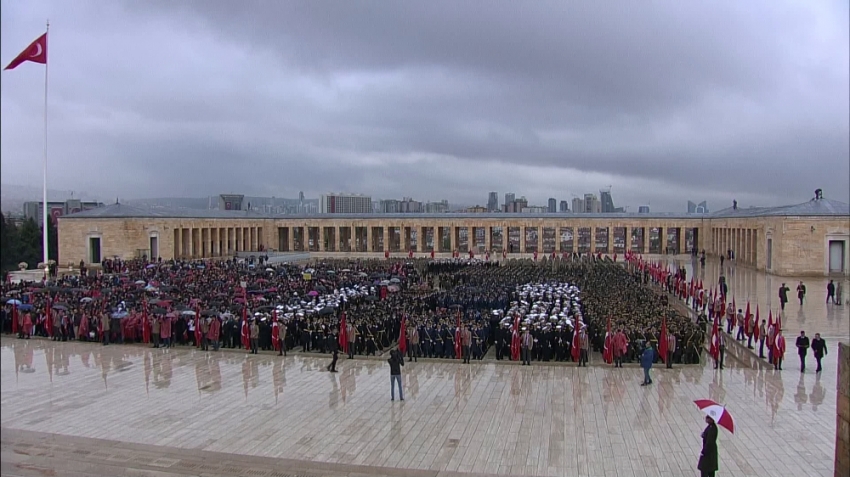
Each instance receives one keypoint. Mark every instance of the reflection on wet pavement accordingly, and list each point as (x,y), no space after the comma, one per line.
(482,418)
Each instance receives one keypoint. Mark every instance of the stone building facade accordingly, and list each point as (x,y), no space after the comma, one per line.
(806,239)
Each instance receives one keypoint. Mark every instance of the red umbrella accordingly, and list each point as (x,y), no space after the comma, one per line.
(717,412)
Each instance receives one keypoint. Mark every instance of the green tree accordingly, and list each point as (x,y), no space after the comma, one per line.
(29,243)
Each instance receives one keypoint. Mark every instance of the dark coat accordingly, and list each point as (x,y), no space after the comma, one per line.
(708,458)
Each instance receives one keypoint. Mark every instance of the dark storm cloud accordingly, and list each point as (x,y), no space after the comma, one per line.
(667,102)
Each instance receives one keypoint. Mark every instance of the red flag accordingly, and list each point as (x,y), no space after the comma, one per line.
(575,352)
(14,319)
(146,328)
(662,342)
(457,337)
(48,323)
(608,352)
(275,331)
(747,320)
(402,335)
(343,333)
(36,52)
(771,342)
(778,322)
(515,340)
(714,350)
(779,349)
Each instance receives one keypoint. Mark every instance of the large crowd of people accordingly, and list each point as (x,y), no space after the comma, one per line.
(456,308)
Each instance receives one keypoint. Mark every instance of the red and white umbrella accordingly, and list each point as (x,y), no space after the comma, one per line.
(717,412)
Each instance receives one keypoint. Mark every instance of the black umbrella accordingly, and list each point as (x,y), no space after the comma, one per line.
(265,308)
(209,313)
(60,306)
(371,298)
(328,310)
(159,311)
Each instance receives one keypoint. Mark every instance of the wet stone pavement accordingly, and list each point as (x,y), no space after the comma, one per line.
(75,409)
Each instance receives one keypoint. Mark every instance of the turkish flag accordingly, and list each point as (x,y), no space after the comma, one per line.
(575,352)
(402,335)
(36,52)
(714,349)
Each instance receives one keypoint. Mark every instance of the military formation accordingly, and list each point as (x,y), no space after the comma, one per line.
(452,309)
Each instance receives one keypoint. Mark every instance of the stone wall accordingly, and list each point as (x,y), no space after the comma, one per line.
(800,244)
(842,431)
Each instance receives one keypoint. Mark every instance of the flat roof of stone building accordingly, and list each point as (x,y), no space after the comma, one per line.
(812,208)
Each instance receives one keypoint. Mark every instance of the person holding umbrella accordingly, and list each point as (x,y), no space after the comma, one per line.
(708,458)
(715,414)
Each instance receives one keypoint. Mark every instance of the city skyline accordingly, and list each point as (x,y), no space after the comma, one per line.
(722,102)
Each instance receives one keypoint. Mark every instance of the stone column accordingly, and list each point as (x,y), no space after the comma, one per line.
(407,235)
(387,241)
(662,239)
(540,241)
(592,238)
(842,428)
(453,231)
(523,246)
(320,236)
(369,245)
(505,229)
(488,238)
(421,245)
(627,240)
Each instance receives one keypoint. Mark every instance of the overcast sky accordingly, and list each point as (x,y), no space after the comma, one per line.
(667,102)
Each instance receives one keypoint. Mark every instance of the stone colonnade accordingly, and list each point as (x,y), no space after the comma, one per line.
(742,241)
(205,242)
(442,236)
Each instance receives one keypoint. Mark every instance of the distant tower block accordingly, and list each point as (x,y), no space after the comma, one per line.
(230,201)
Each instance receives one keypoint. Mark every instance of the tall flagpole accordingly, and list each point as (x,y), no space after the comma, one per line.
(45,218)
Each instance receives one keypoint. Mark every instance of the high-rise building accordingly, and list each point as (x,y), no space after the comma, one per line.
(493,202)
(517,205)
(587,205)
(404,206)
(607,202)
(553,205)
(345,204)
(644,209)
(55,209)
(565,207)
(301,197)
(510,197)
(701,208)
(440,207)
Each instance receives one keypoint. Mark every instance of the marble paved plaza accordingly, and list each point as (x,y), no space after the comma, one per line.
(480,418)
(88,410)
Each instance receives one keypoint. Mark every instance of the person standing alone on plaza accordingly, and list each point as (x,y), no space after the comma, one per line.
(802,349)
(819,349)
(646,360)
(801,292)
(830,292)
(708,458)
(783,296)
(396,362)
(334,348)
